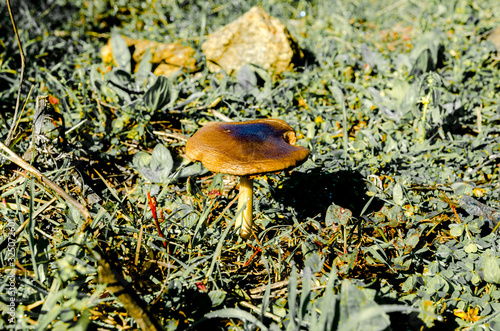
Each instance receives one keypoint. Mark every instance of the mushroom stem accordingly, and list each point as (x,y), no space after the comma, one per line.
(245,202)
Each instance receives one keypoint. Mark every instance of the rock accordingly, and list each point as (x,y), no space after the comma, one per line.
(494,38)
(255,38)
(170,57)
(107,50)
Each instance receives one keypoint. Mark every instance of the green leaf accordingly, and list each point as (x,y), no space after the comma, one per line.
(49,316)
(161,159)
(141,159)
(360,312)
(471,248)
(155,167)
(217,297)
(337,215)
(237,314)
(194,169)
(83,320)
(292,299)
(409,283)
(339,98)
(425,53)
(314,262)
(397,195)
(267,292)
(144,69)
(305,296)
(247,79)
(217,183)
(95,78)
(491,268)
(427,312)
(456,230)
(119,79)
(412,238)
(121,53)
(159,95)
(327,306)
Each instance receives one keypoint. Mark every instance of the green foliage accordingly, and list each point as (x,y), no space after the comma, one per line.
(159,95)
(121,53)
(155,167)
(390,224)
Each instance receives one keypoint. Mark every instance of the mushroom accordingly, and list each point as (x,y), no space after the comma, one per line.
(246,149)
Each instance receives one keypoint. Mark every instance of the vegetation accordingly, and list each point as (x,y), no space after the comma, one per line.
(390,224)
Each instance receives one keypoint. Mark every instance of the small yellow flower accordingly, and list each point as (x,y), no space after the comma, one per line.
(478,192)
(107,54)
(425,100)
(469,316)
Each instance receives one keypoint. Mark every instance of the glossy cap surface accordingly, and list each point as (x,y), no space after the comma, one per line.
(246,148)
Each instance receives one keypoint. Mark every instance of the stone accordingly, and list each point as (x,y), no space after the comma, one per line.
(494,38)
(170,57)
(254,38)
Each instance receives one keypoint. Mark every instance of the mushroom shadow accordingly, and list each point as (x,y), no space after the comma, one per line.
(311,193)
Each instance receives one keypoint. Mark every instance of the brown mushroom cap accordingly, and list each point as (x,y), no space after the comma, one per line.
(246,148)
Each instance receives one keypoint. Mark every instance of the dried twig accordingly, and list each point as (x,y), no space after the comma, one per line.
(139,242)
(107,274)
(220,115)
(178,136)
(274,286)
(121,289)
(259,310)
(13,157)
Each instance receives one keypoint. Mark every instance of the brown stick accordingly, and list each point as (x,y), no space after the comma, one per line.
(107,274)
(13,157)
(117,285)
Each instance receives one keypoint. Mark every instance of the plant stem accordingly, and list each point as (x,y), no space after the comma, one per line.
(425,101)
(23,65)
(13,157)
(244,219)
